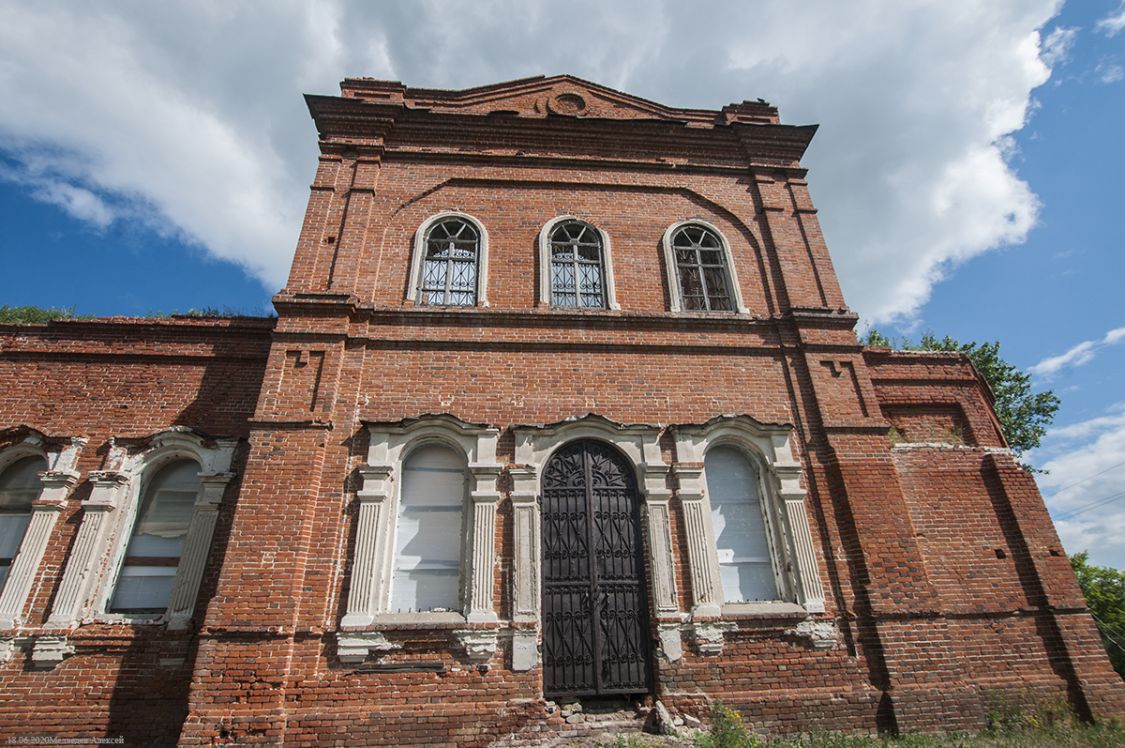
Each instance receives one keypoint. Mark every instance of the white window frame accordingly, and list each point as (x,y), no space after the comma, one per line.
(389,445)
(770,448)
(107,523)
(675,296)
(545,265)
(413,293)
(58,480)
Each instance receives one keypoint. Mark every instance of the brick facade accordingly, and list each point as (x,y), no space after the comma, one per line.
(941,578)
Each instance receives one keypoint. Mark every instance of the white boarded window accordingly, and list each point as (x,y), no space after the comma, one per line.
(427,565)
(144,584)
(745,566)
(19,486)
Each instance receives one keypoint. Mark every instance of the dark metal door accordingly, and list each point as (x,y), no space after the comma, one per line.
(595,611)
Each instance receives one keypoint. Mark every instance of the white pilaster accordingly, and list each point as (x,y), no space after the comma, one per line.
(702,559)
(45,511)
(480,606)
(367,578)
(89,548)
(526,561)
(810,592)
(197,547)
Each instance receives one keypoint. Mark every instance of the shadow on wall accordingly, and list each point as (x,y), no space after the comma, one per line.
(149,702)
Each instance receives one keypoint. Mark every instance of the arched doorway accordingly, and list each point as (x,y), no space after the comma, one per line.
(596,638)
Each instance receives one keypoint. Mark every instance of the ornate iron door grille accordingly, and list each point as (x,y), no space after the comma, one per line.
(595,610)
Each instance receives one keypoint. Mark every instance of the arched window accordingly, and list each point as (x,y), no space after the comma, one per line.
(577,266)
(702,274)
(427,564)
(144,583)
(19,486)
(449,270)
(745,564)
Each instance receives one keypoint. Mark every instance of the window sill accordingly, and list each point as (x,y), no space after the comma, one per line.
(132,619)
(763,610)
(445,620)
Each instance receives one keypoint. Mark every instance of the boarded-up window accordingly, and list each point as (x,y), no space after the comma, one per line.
(19,486)
(745,566)
(144,584)
(427,565)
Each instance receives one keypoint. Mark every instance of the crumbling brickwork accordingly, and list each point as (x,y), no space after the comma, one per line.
(917,570)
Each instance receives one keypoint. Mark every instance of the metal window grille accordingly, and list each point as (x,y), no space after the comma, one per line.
(702,270)
(577,271)
(449,271)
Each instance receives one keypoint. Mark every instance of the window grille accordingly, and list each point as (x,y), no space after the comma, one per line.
(577,268)
(449,270)
(701,269)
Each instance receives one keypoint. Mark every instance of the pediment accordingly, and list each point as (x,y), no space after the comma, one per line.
(541,96)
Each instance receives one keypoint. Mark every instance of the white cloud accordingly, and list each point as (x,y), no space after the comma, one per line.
(1114,22)
(191,114)
(1085,486)
(1083,353)
(1109,72)
(75,200)
(1057,45)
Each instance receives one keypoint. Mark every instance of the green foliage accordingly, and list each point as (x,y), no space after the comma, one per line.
(1024,415)
(1023,713)
(877,339)
(632,741)
(1104,589)
(34,315)
(727,730)
(1015,721)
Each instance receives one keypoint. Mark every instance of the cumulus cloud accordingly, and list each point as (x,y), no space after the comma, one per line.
(193,113)
(1083,353)
(1085,485)
(1112,24)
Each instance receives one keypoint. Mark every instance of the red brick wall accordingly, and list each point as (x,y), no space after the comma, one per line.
(929,620)
(119,379)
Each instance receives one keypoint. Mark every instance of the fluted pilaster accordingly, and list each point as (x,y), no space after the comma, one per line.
(98,522)
(197,547)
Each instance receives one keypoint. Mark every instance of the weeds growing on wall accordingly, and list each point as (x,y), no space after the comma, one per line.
(1025,721)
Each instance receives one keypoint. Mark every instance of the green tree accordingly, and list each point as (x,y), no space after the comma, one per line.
(1024,415)
(1104,589)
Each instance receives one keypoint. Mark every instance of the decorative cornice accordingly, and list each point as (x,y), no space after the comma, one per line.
(363,118)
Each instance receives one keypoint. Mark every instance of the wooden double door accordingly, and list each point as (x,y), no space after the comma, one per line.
(596,632)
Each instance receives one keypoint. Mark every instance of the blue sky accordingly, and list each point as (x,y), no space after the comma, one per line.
(156,157)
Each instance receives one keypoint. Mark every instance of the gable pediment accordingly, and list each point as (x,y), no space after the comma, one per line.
(539,97)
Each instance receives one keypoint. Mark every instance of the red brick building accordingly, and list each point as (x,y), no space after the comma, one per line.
(562,401)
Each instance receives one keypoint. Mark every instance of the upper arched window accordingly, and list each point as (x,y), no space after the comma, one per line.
(427,563)
(746,567)
(450,266)
(148,571)
(19,486)
(701,269)
(577,266)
